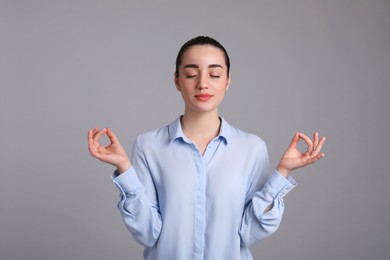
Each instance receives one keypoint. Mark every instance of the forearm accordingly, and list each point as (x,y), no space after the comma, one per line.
(263,214)
(140,214)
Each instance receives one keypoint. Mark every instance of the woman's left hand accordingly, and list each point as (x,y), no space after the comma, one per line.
(293,158)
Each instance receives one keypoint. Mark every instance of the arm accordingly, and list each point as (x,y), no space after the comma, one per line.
(263,214)
(139,211)
(139,204)
(265,206)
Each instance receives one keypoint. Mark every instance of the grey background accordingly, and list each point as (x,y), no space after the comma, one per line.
(68,66)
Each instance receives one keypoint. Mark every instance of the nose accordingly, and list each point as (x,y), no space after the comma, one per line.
(202,83)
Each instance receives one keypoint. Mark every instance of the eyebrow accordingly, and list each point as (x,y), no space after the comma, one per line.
(197,66)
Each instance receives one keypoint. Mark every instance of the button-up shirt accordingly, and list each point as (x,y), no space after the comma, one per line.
(182,205)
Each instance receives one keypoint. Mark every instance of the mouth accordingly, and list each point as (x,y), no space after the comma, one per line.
(203,97)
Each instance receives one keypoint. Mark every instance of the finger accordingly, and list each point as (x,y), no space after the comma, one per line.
(91,135)
(112,136)
(315,140)
(308,142)
(315,158)
(93,150)
(94,133)
(90,141)
(97,137)
(295,140)
(98,152)
(98,155)
(94,147)
(93,140)
(317,149)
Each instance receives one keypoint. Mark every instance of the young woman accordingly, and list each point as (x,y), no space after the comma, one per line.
(200,188)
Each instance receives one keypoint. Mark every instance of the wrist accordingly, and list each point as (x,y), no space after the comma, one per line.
(283,171)
(123,167)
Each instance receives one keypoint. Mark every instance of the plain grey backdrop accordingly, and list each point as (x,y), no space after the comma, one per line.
(69,66)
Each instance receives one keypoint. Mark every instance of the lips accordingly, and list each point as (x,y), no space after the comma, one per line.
(203,97)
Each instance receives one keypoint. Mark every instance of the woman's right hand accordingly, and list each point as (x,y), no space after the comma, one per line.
(113,153)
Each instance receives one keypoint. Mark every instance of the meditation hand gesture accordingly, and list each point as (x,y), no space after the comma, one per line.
(293,158)
(113,154)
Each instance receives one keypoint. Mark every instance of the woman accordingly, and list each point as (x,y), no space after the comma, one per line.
(199,188)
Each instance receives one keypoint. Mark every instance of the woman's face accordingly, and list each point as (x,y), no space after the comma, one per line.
(203,78)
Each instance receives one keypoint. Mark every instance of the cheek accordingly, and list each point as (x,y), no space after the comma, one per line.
(220,96)
(185,83)
(186,92)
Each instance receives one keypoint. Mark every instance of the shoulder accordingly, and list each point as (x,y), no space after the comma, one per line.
(248,139)
(153,138)
(249,146)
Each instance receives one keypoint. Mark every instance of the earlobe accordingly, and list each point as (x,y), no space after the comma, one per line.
(228,84)
(176,81)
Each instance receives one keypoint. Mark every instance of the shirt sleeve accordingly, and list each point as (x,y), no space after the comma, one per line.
(139,211)
(256,223)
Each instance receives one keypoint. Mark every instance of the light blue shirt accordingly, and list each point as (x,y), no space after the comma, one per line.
(182,205)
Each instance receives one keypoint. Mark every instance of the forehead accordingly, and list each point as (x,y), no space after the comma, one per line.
(203,54)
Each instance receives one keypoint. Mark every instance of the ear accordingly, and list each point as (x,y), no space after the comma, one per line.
(228,82)
(176,80)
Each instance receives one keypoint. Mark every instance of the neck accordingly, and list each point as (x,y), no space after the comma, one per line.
(201,126)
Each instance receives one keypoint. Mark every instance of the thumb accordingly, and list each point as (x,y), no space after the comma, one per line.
(112,136)
(295,140)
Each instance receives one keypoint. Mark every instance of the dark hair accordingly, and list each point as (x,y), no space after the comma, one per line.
(200,40)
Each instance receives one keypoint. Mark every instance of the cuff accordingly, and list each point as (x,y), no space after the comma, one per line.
(127,182)
(278,186)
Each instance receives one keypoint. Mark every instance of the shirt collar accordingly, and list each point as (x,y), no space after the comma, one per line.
(176,131)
